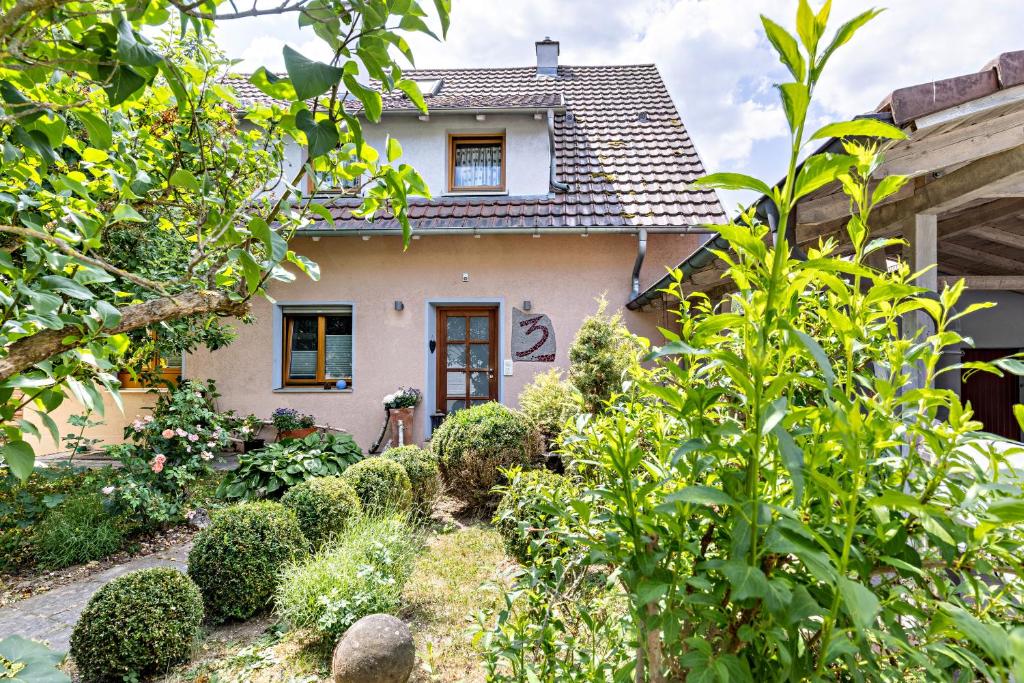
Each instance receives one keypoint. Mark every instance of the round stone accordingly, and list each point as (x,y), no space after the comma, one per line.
(376,649)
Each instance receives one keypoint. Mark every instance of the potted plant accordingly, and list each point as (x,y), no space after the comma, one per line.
(401,407)
(291,424)
(249,431)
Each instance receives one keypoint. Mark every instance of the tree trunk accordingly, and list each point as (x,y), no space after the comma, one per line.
(27,351)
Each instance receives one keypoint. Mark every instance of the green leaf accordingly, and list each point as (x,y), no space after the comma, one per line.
(746,581)
(842,36)
(412,91)
(989,637)
(309,78)
(109,314)
(276,245)
(120,83)
(96,127)
(870,128)
(322,135)
(124,212)
(394,149)
(185,179)
(35,663)
(773,414)
(20,458)
(792,459)
(50,424)
(273,85)
(795,100)
(130,50)
(860,603)
(888,186)
(820,170)
(786,47)
(732,181)
(1008,510)
(373,105)
(67,286)
(444,11)
(700,495)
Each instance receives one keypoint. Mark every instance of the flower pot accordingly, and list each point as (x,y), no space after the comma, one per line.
(253,445)
(295,433)
(401,426)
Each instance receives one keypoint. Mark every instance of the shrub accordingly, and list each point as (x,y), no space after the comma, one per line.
(289,419)
(139,624)
(363,574)
(473,445)
(550,401)
(599,357)
(81,529)
(324,506)
(421,466)
(529,512)
(270,471)
(236,560)
(381,484)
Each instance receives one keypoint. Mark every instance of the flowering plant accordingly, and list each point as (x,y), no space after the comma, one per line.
(288,419)
(403,398)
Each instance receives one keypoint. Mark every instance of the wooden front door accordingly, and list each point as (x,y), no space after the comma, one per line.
(992,397)
(467,357)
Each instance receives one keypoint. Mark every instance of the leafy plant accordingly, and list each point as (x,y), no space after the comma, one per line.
(289,419)
(424,475)
(78,442)
(324,506)
(786,495)
(81,529)
(474,445)
(138,624)
(363,573)
(26,661)
(550,402)
(600,355)
(271,470)
(236,560)
(528,516)
(381,484)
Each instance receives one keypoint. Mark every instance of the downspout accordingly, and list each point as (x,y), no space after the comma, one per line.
(556,184)
(641,252)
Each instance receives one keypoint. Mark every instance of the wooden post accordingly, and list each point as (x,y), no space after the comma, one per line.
(924,253)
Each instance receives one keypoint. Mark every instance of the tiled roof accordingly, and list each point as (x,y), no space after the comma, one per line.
(619,144)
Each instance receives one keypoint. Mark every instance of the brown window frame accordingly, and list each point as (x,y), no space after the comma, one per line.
(321,349)
(168,374)
(311,187)
(475,138)
(441,334)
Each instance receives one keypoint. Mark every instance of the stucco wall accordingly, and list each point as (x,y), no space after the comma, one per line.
(561,276)
(136,402)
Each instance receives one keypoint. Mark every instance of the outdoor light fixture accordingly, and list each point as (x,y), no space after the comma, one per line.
(527,305)
(399,306)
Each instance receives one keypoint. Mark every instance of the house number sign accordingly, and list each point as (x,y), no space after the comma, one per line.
(533,337)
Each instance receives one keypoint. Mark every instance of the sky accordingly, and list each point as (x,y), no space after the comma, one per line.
(712,54)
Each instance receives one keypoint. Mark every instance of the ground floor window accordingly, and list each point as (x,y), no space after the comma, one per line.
(317,347)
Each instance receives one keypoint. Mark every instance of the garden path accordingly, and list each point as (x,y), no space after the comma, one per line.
(50,616)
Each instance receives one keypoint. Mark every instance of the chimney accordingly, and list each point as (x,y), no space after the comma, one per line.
(547,57)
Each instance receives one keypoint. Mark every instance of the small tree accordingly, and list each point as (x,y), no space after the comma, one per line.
(599,357)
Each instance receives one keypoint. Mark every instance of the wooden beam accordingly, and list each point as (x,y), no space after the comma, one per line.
(986,282)
(983,257)
(1008,239)
(836,205)
(988,213)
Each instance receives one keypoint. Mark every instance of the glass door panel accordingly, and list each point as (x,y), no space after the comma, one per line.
(467,358)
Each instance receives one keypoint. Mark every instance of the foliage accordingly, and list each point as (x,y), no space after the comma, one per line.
(787,495)
(362,573)
(26,661)
(421,466)
(270,471)
(528,510)
(289,419)
(137,625)
(324,506)
(80,529)
(78,442)
(381,484)
(550,402)
(474,445)
(236,560)
(600,355)
(142,138)
(403,398)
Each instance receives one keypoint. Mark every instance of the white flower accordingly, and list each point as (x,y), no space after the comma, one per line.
(206,455)
(148,418)
(107,490)
(245,429)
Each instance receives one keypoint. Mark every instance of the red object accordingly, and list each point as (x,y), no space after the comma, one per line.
(992,397)
(405,417)
(296,433)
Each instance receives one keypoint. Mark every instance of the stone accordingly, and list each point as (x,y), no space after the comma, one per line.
(198,518)
(376,649)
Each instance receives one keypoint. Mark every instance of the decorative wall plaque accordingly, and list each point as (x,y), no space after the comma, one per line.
(533,337)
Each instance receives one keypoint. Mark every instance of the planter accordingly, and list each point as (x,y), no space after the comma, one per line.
(401,425)
(253,445)
(295,433)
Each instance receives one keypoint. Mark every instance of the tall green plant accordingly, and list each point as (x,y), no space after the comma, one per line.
(786,495)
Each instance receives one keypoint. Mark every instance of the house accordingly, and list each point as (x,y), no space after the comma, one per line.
(962,213)
(552,185)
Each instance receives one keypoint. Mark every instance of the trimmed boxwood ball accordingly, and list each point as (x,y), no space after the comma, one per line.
(473,445)
(521,516)
(421,466)
(381,484)
(139,624)
(324,507)
(236,560)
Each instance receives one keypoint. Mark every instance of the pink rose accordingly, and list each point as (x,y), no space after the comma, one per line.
(167,433)
(193,437)
(181,432)
(158,463)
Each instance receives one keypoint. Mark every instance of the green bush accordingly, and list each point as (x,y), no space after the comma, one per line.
(421,466)
(139,624)
(236,560)
(550,401)
(381,484)
(270,471)
(473,445)
(80,530)
(528,512)
(600,355)
(324,506)
(362,574)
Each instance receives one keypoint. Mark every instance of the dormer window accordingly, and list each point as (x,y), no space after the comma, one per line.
(428,86)
(476,163)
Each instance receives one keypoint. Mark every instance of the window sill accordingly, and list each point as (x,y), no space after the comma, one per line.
(476,193)
(309,390)
(142,390)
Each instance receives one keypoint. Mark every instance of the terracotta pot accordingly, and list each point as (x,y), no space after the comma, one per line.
(295,433)
(404,417)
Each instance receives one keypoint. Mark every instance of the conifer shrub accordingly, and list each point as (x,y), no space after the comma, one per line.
(600,355)
(381,484)
(324,506)
(424,475)
(550,402)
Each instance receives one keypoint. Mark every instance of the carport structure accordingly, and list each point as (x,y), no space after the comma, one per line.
(962,211)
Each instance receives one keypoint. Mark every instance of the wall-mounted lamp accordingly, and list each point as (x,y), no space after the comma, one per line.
(527,305)
(399,306)
(465,277)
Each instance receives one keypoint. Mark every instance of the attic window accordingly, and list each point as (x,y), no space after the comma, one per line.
(476,163)
(643,116)
(430,86)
